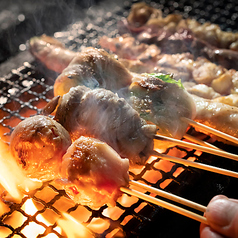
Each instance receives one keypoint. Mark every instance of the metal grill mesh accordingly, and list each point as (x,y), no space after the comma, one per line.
(26,90)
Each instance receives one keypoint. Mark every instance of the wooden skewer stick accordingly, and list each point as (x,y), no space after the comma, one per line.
(170,196)
(210,130)
(198,147)
(200,142)
(195,164)
(164,204)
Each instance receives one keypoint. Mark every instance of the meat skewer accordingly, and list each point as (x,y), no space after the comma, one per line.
(96,71)
(102,114)
(94,174)
(176,35)
(84,117)
(89,173)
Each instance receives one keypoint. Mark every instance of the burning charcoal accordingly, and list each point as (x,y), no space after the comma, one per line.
(102,114)
(93,173)
(38,144)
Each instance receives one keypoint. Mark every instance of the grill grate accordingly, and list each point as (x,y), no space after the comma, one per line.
(26,90)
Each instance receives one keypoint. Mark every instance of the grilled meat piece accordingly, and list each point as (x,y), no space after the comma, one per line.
(176,35)
(217,115)
(127,47)
(201,90)
(181,66)
(93,68)
(162,103)
(207,32)
(38,144)
(93,173)
(51,52)
(103,115)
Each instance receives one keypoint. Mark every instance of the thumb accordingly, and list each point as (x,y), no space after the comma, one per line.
(222,216)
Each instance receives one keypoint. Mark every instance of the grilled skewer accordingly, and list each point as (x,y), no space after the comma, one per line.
(80,101)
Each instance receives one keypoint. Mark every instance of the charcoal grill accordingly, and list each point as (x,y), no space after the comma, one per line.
(26,89)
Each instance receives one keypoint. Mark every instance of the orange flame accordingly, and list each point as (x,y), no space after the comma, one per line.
(12,178)
(72,228)
(34,229)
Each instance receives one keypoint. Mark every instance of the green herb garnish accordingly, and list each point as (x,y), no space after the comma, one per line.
(168,79)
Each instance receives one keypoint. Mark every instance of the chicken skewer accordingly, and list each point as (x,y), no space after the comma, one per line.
(175,35)
(137,144)
(74,79)
(91,176)
(87,173)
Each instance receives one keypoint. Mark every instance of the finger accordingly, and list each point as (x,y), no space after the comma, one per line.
(222,216)
(207,232)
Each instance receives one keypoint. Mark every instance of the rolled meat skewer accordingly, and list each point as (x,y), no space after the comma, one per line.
(103,115)
(92,173)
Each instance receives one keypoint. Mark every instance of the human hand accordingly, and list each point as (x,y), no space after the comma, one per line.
(222,217)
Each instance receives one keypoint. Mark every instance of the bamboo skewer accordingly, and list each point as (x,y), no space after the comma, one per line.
(195,164)
(164,204)
(200,142)
(198,147)
(170,196)
(210,130)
